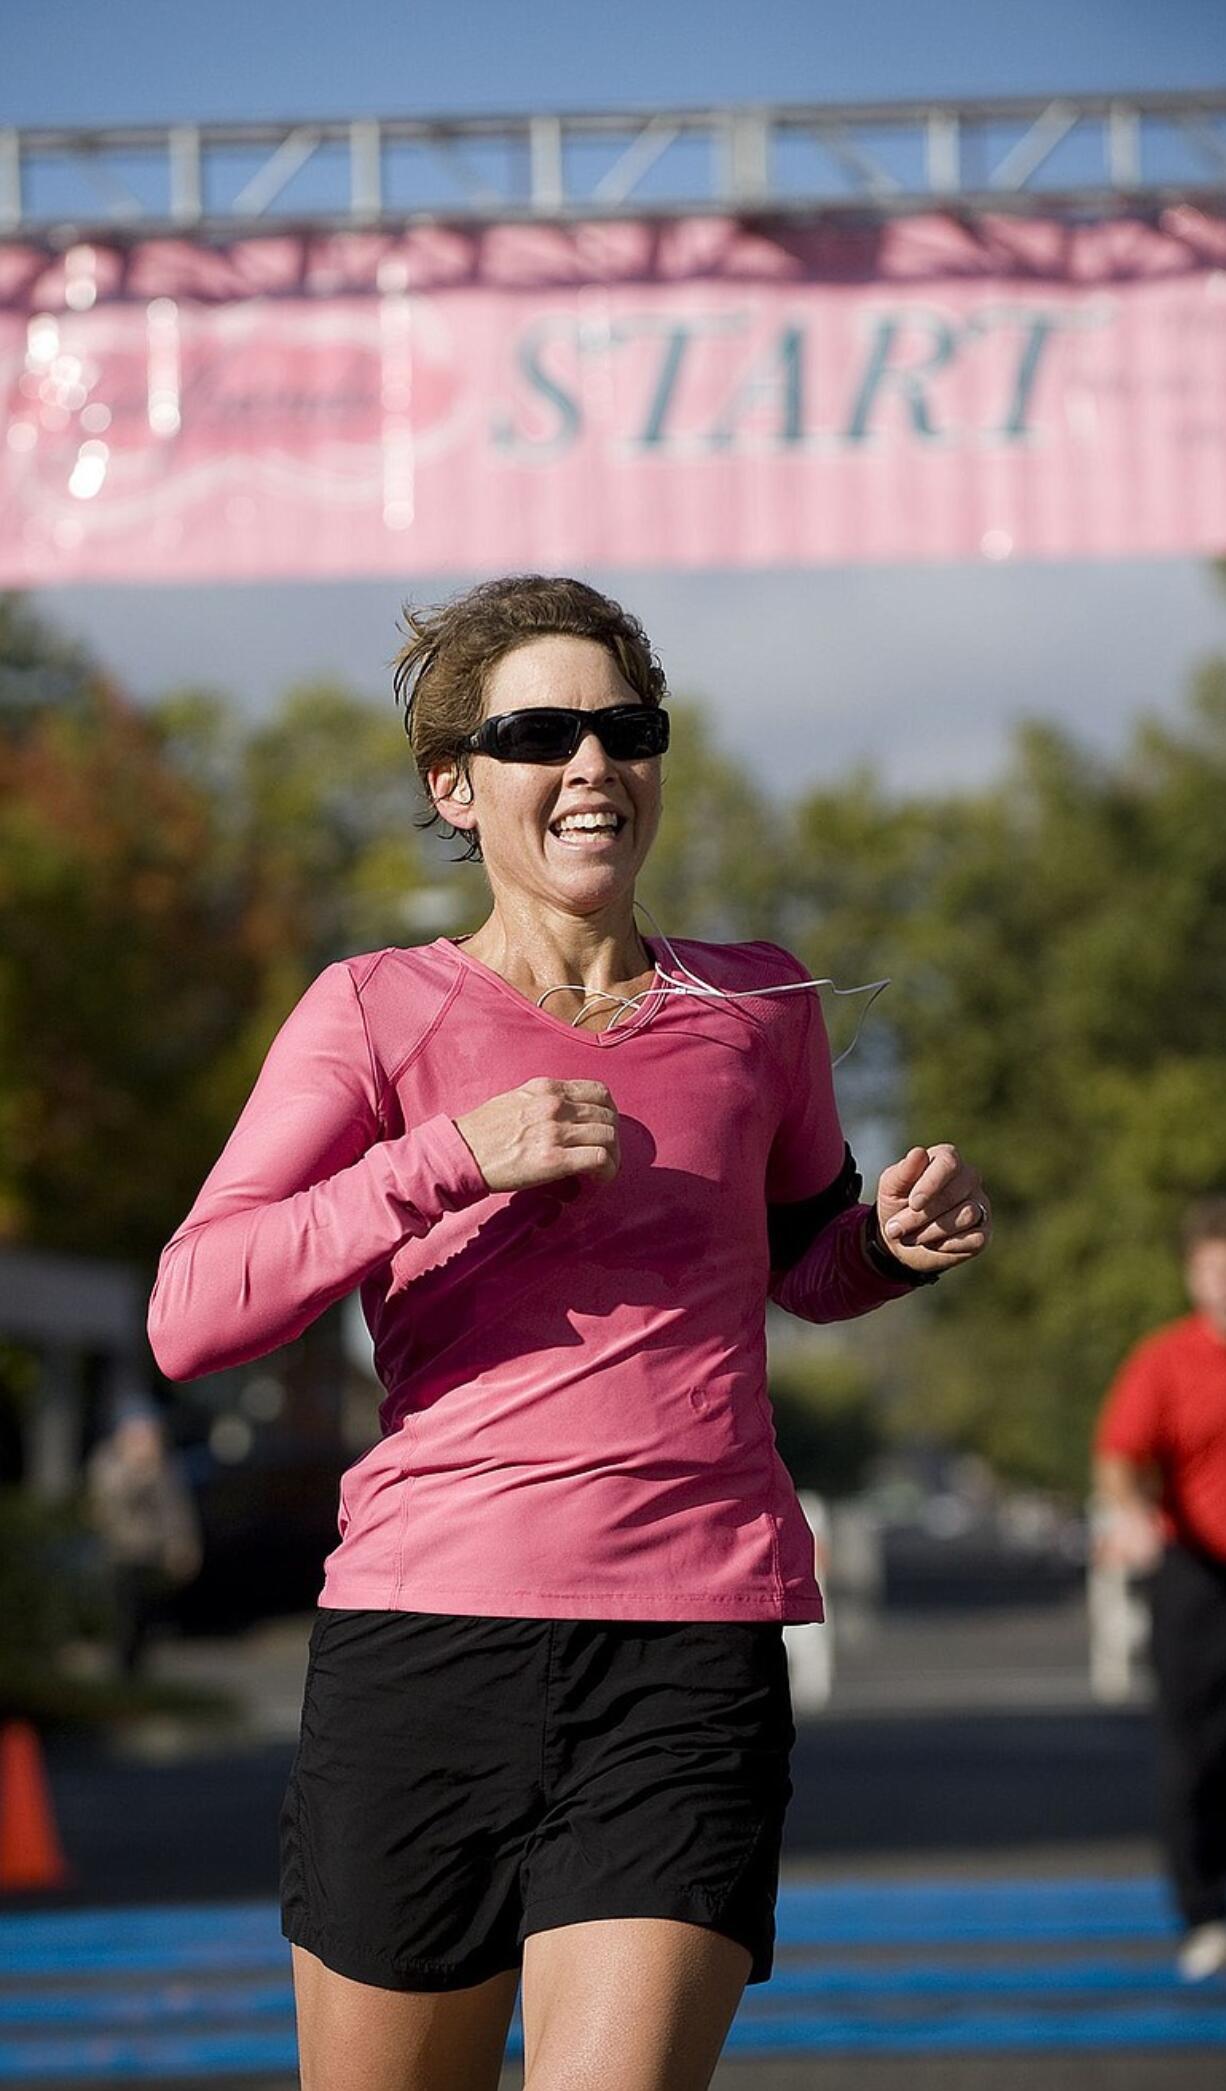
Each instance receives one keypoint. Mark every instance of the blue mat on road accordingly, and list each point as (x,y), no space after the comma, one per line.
(140,1994)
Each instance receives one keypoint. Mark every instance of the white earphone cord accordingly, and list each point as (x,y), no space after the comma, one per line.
(695,985)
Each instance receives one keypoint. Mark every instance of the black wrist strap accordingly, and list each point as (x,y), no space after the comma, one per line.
(884,1262)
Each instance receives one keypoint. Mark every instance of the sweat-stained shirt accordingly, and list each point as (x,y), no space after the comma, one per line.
(576,1421)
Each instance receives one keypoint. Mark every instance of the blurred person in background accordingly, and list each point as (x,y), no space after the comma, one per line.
(142,1510)
(546,1717)
(1160,1490)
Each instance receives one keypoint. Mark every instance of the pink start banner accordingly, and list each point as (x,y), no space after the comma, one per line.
(696,392)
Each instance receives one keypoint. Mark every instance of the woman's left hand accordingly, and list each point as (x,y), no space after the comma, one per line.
(932,1209)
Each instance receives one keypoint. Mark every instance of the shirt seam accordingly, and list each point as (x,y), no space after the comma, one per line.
(790,1070)
(378,1079)
(772,1587)
(402,1522)
(773,1461)
(414,1051)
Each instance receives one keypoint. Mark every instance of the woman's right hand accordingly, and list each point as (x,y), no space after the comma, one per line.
(544,1130)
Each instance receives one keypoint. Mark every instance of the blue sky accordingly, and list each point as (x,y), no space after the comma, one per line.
(921,670)
(74,61)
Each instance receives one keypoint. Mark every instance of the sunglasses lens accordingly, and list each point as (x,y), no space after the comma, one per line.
(539,735)
(545,735)
(637,733)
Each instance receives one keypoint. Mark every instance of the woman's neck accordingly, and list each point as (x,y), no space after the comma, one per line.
(536,957)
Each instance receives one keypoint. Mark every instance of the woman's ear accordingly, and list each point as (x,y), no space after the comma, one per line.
(449,789)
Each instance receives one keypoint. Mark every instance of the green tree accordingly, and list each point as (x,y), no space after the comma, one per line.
(1058,952)
(120,961)
(828,1418)
(714,870)
(1092,1084)
(172,876)
(328,792)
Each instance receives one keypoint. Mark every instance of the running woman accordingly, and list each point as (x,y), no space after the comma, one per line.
(546,1724)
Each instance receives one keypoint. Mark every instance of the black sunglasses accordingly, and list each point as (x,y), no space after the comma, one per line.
(551,733)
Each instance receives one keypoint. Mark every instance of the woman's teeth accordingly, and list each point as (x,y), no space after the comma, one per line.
(585,831)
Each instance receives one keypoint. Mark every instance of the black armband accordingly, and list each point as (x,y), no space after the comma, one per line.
(791,1227)
(878,1253)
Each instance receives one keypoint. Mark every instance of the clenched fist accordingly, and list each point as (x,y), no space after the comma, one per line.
(932,1208)
(544,1130)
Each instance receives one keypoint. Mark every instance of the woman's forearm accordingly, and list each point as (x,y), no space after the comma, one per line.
(834,1280)
(245,1273)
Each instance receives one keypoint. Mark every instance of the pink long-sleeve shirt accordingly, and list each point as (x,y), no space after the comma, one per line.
(576,1421)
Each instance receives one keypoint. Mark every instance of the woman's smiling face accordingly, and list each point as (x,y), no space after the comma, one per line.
(514,803)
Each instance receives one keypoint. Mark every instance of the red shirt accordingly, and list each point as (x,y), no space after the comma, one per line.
(1167,1405)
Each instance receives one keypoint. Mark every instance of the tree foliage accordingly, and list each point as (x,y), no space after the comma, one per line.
(173,874)
(170,879)
(1058,1010)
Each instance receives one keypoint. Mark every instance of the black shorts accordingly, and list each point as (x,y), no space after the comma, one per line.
(461,1781)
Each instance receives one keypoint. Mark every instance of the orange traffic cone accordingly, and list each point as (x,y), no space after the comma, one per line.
(30,1852)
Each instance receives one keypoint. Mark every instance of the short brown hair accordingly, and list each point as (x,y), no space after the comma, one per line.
(441,671)
(1204,1221)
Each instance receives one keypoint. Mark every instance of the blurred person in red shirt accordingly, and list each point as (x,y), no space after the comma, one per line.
(1160,1484)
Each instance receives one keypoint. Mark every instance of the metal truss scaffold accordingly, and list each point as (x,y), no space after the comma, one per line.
(1092,155)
